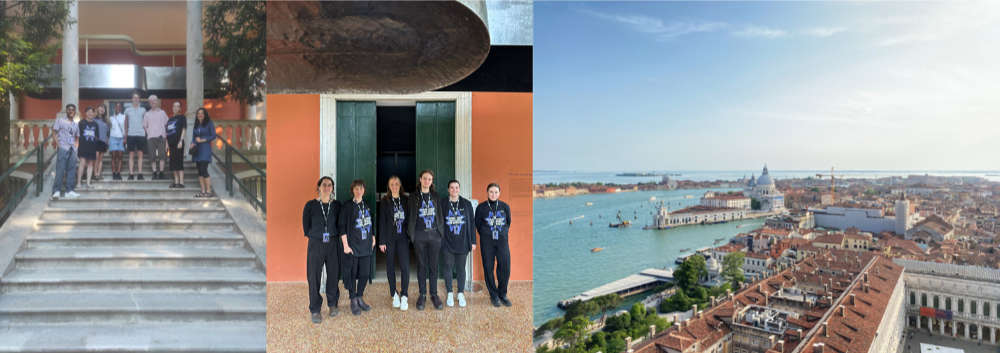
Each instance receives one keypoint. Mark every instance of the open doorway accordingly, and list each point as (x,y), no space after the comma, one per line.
(396,150)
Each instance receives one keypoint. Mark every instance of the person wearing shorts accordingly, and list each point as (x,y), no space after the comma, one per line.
(155,124)
(87,151)
(116,141)
(135,141)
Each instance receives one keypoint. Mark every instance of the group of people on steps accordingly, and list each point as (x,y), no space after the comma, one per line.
(342,240)
(82,143)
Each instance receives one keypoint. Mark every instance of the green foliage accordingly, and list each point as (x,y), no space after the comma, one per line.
(732,267)
(572,331)
(29,33)
(754,204)
(585,309)
(235,38)
(686,275)
(550,325)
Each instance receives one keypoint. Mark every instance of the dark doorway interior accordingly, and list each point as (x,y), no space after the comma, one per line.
(397,145)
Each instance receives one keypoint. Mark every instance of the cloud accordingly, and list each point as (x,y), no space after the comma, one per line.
(663,30)
(823,31)
(753,31)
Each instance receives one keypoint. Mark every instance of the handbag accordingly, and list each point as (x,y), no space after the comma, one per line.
(193,150)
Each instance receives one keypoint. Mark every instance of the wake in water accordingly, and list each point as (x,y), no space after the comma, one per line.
(550,225)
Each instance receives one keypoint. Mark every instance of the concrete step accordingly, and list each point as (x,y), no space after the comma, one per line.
(194,279)
(134,257)
(112,194)
(189,174)
(135,201)
(215,337)
(135,239)
(130,307)
(108,184)
(135,213)
(67,225)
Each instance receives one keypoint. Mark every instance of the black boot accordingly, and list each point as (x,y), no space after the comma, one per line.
(334,311)
(495,301)
(420,302)
(436,301)
(355,309)
(364,306)
(505,301)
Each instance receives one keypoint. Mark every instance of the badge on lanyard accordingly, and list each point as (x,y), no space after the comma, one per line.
(326,237)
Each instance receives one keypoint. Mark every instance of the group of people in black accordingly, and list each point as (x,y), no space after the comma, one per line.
(342,239)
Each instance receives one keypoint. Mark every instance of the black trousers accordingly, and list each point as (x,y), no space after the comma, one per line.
(498,252)
(454,265)
(357,272)
(318,256)
(428,249)
(397,250)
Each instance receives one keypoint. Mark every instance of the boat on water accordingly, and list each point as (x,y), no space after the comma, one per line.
(688,196)
(652,198)
(742,225)
(622,223)
(596,250)
(589,203)
(685,249)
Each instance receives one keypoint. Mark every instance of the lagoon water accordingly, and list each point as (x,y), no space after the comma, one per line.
(564,265)
(550,176)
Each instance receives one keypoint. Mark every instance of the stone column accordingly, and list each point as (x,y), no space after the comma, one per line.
(941,323)
(993,335)
(919,319)
(194,74)
(954,329)
(13,107)
(967,336)
(71,57)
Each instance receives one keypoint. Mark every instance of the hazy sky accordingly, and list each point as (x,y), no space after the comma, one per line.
(722,86)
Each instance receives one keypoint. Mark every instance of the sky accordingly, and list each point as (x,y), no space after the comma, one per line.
(798,86)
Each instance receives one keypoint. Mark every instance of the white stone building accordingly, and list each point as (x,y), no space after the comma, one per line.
(763,190)
(953,300)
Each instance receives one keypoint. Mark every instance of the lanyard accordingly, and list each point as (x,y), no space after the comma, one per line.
(454,205)
(395,203)
(490,205)
(326,212)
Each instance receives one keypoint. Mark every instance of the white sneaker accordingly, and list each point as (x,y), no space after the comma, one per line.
(395,300)
(451,299)
(55,195)
(72,194)
(403,305)
(461,299)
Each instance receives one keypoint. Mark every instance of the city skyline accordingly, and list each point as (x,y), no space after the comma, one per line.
(797,86)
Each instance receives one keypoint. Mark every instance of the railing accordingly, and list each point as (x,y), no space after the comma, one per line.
(246,136)
(25,135)
(9,204)
(255,193)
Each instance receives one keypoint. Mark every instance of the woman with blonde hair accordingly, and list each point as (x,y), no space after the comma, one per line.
(394,241)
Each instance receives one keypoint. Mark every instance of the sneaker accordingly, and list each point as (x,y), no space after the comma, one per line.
(334,311)
(72,194)
(420,302)
(505,301)
(131,177)
(55,195)
(364,306)
(395,300)
(403,305)
(461,299)
(180,186)
(317,318)
(436,301)
(451,299)
(140,177)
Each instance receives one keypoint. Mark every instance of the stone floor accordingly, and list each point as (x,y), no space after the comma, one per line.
(479,327)
(915,337)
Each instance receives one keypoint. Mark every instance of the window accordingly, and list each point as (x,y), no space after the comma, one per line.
(973,307)
(986,308)
(913,298)
(936,302)
(947,303)
(961,306)
(923,299)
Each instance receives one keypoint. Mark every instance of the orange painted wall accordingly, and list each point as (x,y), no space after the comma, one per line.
(504,119)
(293,166)
(498,119)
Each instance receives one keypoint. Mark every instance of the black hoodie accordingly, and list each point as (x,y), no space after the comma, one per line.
(387,224)
(425,218)
(459,234)
(493,217)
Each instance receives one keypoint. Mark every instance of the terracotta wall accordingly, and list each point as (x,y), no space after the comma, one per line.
(501,153)
(498,119)
(43,109)
(293,168)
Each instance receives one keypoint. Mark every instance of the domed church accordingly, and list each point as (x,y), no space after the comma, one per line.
(762,190)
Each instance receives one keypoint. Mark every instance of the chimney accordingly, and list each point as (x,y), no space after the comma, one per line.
(677,318)
(842,311)
(729,293)
(823,330)
(760,287)
(712,300)
(628,343)
(694,309)
(866,277)
(652,331)
(851,299)
(781,345)
(818,347)
(798,333)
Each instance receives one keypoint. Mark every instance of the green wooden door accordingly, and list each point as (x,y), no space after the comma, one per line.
(356,152)
(436,142)
(436,148)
